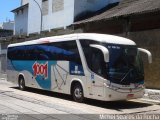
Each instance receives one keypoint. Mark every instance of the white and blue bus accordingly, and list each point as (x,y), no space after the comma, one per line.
(86,65)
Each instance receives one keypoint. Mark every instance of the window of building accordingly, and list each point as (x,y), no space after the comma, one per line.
(57,5)
(45,7)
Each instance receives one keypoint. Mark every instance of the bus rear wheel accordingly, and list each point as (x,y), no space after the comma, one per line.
(77,93)
(21,83)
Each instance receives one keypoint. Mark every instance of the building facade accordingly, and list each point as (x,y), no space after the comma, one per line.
(8,25)
(45,15)
(23,2)
(21,20)
(1,25)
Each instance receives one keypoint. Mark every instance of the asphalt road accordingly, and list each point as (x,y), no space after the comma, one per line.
(36,104)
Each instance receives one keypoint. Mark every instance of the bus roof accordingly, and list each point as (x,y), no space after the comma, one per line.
(90,36)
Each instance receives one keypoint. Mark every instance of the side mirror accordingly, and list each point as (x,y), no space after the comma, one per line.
(103,49)
(147,52)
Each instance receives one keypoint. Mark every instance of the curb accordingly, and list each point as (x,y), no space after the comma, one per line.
(151,101)
(3,76)
(152,92)
(4,79)
(151,96)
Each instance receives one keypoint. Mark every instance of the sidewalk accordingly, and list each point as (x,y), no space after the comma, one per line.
(152,95)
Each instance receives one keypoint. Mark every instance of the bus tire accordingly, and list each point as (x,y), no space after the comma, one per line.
(77,93)
(21,83)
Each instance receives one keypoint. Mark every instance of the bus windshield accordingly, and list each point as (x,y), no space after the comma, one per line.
(125,66)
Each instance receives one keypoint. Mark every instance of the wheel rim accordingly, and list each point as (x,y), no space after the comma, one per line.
(78,93)
(21,83)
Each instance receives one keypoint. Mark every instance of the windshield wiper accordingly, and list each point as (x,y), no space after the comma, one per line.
(126,75)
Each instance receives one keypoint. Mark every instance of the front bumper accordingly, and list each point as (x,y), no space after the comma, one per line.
(115,94)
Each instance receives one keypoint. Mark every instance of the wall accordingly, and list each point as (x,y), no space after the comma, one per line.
(5,33)
(54,19)
(83,6)
(8,25)
(62,17)
(23,2)
(61,13)
(34,18)
(21,22)
(149,39)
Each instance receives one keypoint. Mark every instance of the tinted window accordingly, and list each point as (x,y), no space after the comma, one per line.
(16,53)
(66,51)
(94,57)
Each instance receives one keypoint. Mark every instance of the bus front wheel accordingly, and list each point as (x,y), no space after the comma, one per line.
(77,93)
(21,83)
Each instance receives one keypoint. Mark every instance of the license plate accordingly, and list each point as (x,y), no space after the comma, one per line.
(130,96)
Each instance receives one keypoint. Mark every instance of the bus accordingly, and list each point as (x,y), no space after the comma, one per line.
(84,65)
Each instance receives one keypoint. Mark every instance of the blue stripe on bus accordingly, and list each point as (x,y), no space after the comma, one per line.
(27,66)
(45,83)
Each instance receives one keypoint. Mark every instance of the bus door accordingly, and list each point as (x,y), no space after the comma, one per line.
(97,66)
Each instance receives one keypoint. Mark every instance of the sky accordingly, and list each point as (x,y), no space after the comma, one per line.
(5,7)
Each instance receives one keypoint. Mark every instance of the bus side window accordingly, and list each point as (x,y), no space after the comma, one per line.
(97,62)
(94,58)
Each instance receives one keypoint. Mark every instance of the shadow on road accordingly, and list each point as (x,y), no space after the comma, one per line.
(116,105)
